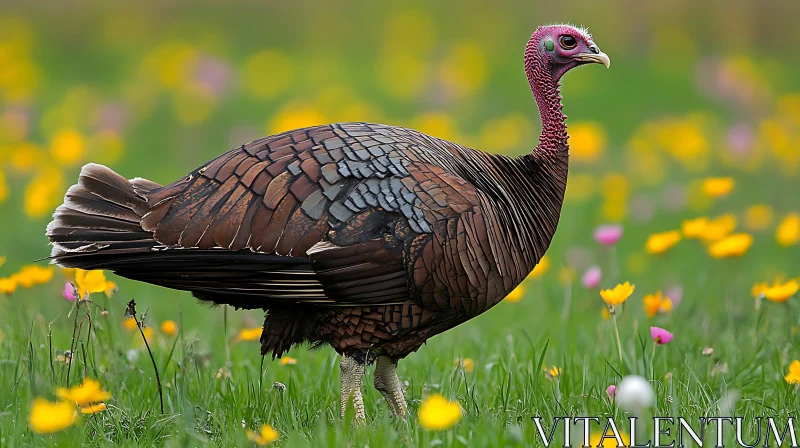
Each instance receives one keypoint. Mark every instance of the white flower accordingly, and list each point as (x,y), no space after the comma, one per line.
(634,394)
(133,356)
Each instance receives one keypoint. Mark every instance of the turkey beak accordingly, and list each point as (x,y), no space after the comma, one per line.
(599,57)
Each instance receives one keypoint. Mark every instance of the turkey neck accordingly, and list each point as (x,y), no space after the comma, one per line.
(526,193)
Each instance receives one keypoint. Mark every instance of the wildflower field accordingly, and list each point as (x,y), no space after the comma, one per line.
(677,257)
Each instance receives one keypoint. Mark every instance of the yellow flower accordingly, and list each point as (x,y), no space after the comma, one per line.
(249,334)
(8,285)
(541,267)
(566,275)
(788,232)
(778,292)
(619,294)
(717,186)
(552,372)
(733,246)
(516,294)
(47,417)
(267,73)
(295,115)
(653,303)
(694,228)
(44,192)
(463,71)
(436,413)
(793,377)
(89,282)
(605,313)
(758,217)
(288,361)
(467,364)
(587,141)
(719,228)
(93,408)
(659,243)
(32,274)
(111,288)
(129,323)
(169,327)
(265,435)
(67,147)
(87,393)
(609,441)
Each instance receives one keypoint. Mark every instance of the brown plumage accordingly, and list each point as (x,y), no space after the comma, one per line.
(368,237)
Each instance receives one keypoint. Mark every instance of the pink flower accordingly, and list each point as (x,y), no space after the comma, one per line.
(69,292)
(608,235)
(611,391)
(660,335)
(591,278)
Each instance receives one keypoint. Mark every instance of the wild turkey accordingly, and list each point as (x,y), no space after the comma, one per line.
(368,237)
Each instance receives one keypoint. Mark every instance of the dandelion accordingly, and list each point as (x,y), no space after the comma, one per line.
(288,361)
(634,394)
(8,285)
(661,336)
(249,334)
(717,186)
(758,217)
(129,323)
(610,439)
(552,372)
(735,245)
(618,295)
(612,298)
(87,393)
(788,232)
(778,292)
(793,377)
(266,435)
(608,235)
(659,243)
(516,294)
(90,282)
(169,327)
(587,141)
(541,268)
(655,303)
(719,228)
(466,364)
(31,275)
(67,147)
(694,228)
(591,278)
(47,417)
(437,413)
(93,408)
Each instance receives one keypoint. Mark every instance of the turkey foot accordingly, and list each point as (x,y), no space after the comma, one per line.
(351,374)
(387,383)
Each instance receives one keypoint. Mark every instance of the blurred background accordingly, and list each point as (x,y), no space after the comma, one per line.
(695,89)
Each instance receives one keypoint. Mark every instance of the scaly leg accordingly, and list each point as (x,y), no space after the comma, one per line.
(388,385)
(352,372)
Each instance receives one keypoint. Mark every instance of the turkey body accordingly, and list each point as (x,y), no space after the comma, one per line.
(368,237)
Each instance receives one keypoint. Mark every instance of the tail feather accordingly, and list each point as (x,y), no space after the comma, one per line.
(102,211)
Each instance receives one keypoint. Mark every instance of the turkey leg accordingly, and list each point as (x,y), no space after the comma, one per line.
(387,383)
(351,374)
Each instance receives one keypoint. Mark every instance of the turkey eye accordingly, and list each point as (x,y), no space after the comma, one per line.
(567,42)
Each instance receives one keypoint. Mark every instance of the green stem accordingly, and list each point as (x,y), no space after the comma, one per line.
(616,332)
(652,362)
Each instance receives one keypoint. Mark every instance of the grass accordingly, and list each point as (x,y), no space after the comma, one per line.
(210,393)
